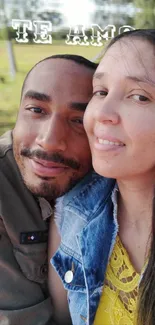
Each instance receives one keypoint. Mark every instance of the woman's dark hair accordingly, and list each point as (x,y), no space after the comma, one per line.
(145,34)
(146,296)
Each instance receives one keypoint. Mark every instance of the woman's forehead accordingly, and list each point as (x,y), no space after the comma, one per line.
(129,56)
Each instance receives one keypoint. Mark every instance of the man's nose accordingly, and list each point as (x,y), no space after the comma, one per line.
(53,134)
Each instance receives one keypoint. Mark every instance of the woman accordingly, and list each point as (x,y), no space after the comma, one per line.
(107,261)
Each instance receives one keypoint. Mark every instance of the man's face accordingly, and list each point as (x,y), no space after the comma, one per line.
(49,142)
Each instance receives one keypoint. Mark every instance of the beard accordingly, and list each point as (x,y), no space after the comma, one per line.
(51,190)
(48,188)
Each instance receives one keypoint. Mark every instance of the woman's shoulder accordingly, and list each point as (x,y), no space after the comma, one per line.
(85,198)
(92,185)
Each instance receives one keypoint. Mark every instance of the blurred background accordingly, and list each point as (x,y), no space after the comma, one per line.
(16,59)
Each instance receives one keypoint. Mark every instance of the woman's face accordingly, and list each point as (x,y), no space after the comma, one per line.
(120,118)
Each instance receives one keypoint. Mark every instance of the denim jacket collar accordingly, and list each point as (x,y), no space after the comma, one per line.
(88,230)
(83,198)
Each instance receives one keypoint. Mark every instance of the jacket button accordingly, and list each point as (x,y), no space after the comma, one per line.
(68,276)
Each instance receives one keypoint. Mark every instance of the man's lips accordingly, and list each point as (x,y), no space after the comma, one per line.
(49,164)
(46,168)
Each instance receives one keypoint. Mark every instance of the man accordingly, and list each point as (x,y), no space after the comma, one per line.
(45,155)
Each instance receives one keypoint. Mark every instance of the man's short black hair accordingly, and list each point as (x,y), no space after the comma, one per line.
(76,58)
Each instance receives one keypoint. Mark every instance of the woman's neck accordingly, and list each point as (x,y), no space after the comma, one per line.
(135,201)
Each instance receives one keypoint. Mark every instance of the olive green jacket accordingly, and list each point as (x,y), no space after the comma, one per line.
(24,298)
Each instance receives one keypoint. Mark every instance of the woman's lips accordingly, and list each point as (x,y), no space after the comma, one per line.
(110,144)
(46,168)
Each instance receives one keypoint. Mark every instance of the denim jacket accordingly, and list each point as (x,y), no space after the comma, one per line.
(88,230)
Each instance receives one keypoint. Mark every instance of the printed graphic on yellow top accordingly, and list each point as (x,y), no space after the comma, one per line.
(119,297)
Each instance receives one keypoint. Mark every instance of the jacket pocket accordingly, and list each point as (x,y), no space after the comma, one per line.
(32,260)
(69,270)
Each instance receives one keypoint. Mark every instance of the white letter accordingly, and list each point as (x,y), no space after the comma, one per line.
(21,26)
(125,28)
(41,32)
(98,34)
(77,36)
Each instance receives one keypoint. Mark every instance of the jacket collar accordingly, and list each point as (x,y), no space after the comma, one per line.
(85,198)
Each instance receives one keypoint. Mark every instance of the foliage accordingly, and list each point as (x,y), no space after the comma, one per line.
(55,17)
(145,18)
(102,2)
(24,9)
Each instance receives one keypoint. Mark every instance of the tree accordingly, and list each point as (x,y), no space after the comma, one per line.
(145,15)
(119,2)
(54,16)
(24,9)
(11,56)
(117,18)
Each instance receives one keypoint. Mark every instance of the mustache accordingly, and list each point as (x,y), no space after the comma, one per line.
(53,157)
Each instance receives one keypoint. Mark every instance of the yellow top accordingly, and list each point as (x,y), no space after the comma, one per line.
(119,297)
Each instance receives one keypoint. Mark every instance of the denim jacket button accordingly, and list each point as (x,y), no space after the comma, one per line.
(68,276)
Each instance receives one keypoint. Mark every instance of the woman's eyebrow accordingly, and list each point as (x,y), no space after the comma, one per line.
(142,79)
(100,75)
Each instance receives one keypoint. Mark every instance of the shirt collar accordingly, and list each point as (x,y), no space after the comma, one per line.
(46,209)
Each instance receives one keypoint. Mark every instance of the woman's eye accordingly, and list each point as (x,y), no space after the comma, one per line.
(140,98)
(100,93)
(37,110)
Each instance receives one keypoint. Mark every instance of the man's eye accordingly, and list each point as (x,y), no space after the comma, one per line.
(100,93)
(140,98)
(37,110)
(78,120)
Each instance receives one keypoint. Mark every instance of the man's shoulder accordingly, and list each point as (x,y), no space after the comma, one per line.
(5,143)
(8,166)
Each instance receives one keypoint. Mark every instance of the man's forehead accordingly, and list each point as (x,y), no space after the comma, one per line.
(58,66)
(57,71)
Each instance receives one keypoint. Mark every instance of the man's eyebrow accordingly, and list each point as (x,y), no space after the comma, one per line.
(81,107)
(98,75)
(37,95)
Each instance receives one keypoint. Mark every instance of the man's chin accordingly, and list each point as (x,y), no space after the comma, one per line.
(49,190)
(50,187)
(44,189)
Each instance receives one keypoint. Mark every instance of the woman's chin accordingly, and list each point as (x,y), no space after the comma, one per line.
(109,172)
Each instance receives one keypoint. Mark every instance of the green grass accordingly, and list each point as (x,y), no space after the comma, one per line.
(26,56)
